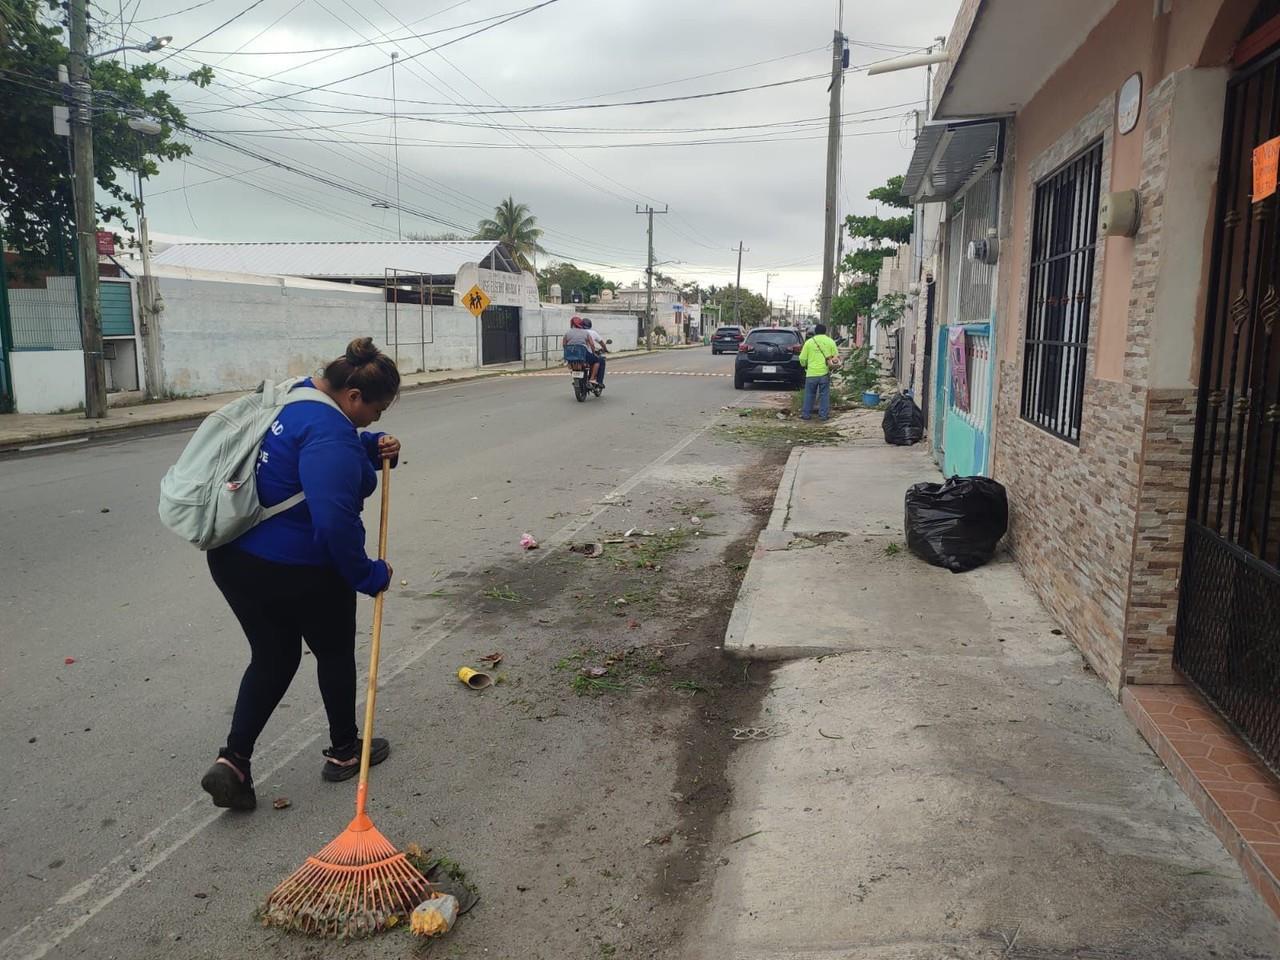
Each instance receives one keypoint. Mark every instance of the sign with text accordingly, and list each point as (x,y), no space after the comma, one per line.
(106,243)
(1266,159)
(476,300)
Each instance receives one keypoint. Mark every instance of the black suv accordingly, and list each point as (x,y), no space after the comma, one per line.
(726,339)
(769,353)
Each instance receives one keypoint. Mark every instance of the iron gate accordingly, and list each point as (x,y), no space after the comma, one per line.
(500,334)
(1228,634)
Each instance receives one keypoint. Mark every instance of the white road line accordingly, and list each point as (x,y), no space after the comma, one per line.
(69,912)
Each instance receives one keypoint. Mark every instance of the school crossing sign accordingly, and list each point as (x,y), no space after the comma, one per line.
(476,300)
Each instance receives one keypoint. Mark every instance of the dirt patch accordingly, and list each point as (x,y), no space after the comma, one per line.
(583,788)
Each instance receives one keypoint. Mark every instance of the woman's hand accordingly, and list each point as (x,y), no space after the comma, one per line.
(388,446)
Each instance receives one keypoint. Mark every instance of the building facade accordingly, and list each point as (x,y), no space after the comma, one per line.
(1106,187)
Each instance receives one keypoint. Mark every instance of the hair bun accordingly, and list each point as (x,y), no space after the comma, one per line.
(360,351)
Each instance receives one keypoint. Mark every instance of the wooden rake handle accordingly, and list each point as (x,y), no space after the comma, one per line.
(375,648)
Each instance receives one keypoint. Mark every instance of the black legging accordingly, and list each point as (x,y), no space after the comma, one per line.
(278,606)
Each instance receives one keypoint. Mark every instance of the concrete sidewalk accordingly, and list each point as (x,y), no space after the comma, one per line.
(948,780)
(25,430)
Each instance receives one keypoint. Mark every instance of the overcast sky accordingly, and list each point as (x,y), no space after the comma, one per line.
(582,184)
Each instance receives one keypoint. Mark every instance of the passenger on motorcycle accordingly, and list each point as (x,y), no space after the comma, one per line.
(598,346)
(580,335)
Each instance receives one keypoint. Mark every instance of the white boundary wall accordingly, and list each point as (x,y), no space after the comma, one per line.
(224,332)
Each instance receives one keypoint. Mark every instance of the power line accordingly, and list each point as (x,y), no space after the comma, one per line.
(225,23)
(176,13)
(365,73)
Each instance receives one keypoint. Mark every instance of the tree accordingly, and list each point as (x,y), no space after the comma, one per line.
(891,194)
(572,278)
(439,237)
(752,308)
(35,186)
(871,233)
(514,225)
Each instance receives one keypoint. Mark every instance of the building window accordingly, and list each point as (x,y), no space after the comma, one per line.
(1064,233)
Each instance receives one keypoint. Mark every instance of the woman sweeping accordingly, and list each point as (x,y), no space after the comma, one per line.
(295,576)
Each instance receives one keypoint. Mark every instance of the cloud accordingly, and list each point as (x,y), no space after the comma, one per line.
(767,194)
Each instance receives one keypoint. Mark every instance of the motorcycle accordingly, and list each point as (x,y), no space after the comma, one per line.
(575,358)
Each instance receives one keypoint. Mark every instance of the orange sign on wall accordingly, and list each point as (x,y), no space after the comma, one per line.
(1266,160)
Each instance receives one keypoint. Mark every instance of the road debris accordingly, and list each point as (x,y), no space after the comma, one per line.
(434,917)
(492,659)
(474,679)
(281,803)
(69,661)
(591,551)
(527,542)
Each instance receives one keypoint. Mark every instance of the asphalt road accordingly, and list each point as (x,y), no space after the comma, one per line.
(103,754)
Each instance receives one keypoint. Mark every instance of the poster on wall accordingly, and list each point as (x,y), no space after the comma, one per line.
(957,362)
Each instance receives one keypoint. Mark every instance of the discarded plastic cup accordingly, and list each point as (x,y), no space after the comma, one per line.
(475,679)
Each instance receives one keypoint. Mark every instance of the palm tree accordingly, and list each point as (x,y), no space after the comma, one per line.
(514,225)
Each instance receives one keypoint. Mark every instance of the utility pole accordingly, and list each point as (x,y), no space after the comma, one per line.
(395,138)
(833,173)
(737,287)
(95,383)
(767,302)
(648,273)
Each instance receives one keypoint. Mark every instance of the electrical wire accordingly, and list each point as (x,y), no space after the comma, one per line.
(205,36)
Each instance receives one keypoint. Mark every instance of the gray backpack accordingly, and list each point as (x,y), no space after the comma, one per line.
(210,496)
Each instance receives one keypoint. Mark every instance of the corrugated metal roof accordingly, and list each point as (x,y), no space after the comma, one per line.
(325,259)
(948,154)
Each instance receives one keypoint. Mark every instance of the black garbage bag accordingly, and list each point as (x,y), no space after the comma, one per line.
(956,524)
(903,421)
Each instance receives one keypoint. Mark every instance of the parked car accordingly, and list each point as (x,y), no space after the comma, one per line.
(769,353)
(727,339)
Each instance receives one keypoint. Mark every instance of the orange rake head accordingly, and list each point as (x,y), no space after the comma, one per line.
(356,886)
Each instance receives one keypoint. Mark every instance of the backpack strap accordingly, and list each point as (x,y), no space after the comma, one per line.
(294,394)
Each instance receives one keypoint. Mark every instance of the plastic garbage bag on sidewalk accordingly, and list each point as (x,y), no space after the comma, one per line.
(903,421)
(956,524)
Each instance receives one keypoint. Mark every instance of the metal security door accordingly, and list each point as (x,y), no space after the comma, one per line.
(500,335)
(1228,633)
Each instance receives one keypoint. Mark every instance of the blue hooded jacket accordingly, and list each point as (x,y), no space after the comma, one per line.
(314,448)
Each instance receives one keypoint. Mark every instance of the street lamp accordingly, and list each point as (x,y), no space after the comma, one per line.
(151,46)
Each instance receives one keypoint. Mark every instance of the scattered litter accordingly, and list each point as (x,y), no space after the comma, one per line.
(591,551)
(474,679)
(435,916)
(661,841)
(281,803)
(696,521)
(475,498)
(620,602)
(69,661)
(757,733)
(404,583)
(829,736)
(492,659)
(747,836)
(595,672)
(106,510)
(527,542)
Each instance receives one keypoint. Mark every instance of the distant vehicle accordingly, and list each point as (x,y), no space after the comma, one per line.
(726,339)
(769,353)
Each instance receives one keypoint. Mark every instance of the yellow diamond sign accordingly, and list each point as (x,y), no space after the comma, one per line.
(476,300)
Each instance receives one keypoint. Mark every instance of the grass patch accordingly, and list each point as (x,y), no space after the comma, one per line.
(585,686)
(647,553)
(776,433)
(506,594)
(689,686)
(892,550)
(622,671)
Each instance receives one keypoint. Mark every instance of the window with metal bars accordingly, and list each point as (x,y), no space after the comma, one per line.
(1064,233)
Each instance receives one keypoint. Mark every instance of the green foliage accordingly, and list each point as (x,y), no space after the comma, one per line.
(866,260)
(860,372)
(888,310)
(572,278)
(35,188)
(752,308)
(513,224)
(891,194)
(879,229)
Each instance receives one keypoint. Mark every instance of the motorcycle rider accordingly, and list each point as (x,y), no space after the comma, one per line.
(598,346)
(578,334)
